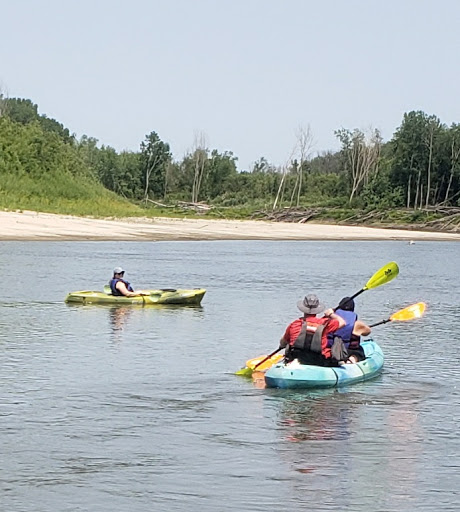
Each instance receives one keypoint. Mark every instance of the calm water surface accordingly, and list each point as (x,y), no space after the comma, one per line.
(113,409)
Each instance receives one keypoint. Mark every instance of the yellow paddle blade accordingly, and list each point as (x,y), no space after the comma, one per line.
(409,313)
(251,363)
(382,276)
(246,372)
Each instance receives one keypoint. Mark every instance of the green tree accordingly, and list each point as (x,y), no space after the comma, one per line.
(417,157)
(25,111)
(154,158)
(129,181)
(221,168)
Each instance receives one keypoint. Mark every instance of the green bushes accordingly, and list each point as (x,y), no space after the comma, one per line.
(39,171)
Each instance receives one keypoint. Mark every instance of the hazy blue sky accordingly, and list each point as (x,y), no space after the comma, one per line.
(247,73)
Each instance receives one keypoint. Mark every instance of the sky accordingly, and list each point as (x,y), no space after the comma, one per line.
(245,74)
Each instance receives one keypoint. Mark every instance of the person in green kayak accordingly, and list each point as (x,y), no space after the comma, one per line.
(120,287)
(306,339)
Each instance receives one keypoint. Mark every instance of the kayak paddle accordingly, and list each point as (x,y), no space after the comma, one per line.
(384,275)
(249,371)
(263,366)
(403,315)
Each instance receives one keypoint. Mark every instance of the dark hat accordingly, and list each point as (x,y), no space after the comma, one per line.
(311,305)
(347,304)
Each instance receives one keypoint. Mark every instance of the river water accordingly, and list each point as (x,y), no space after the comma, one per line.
(111,409)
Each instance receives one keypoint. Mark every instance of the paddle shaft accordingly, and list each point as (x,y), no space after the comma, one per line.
(358,293)
(382,322)
(408,313)
(351,298)
(268,357)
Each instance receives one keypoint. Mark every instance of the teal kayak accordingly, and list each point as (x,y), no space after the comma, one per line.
(296,375)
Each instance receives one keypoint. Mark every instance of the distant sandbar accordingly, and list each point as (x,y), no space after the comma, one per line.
(31,226)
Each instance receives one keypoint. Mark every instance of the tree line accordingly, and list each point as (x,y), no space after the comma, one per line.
(419,167)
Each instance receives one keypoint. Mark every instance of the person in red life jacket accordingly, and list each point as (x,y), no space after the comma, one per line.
(306,338)
(120,287)
(350,334)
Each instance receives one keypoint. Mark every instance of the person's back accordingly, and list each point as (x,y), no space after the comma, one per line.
(351,332)
(306,337)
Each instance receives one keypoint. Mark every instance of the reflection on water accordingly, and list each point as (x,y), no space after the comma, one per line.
(320,415)
(361,448)
(119,315)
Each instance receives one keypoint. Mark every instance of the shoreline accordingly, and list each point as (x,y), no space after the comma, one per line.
(36,226)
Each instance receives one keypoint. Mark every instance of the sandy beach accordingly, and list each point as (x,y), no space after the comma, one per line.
(29,225)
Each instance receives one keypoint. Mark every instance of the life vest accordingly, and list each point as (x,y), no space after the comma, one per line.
(309,338)
(113,284)
(345,332)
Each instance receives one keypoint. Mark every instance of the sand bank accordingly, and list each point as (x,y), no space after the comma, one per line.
(29,225)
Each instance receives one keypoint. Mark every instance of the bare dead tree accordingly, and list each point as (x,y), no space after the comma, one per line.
(454,160)
(199,157)
(417,189)
(168,173)
(294,168)
(284,171)
(305,144)
(3,97)
(429,143)
(362,153)
(152,162)
(410,180)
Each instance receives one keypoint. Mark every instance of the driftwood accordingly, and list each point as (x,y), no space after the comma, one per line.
(448,217)
(197,207)
(297,214)
(156,203)
(450,222)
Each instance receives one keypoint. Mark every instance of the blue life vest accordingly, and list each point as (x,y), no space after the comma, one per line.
(346,331)
(113,284)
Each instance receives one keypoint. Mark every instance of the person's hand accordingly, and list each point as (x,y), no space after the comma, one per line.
(329,312)
(283,343)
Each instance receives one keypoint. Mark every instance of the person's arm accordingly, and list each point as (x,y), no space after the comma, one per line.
(361,329)
(329,313)
(284,341)
(121,287)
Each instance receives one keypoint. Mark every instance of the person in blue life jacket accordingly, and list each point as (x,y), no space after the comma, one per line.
(348,338)
(120,287)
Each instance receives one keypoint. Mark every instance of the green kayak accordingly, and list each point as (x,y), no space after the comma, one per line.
(190,297)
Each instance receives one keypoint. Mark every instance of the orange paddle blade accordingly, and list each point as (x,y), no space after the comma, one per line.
(409,313)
